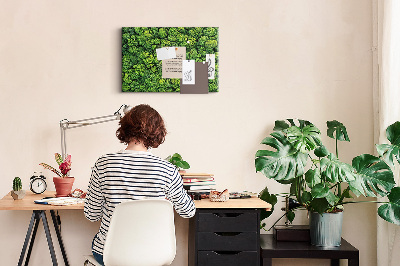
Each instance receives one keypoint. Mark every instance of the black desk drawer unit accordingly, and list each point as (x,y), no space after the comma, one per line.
(224,237)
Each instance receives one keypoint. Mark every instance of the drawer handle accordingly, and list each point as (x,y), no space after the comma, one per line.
(227,252)
(227,214)
(227,233)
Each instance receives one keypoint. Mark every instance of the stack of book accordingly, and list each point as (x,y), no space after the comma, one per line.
(198,182)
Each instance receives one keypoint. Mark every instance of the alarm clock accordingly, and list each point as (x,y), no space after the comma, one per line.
(38,183)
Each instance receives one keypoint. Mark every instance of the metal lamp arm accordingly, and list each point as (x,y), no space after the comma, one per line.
(66,124)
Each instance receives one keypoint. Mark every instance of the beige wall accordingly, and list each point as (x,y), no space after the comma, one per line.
(278,59)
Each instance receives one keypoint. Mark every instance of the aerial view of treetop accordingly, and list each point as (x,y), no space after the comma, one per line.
(142,70)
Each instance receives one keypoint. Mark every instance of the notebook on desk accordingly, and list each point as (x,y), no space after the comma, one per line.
(61,201)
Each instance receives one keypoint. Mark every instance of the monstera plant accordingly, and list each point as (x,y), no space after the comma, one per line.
(319,181)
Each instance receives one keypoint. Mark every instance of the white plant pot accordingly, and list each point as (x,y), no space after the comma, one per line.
(17,195)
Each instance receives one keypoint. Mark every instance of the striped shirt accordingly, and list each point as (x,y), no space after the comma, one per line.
(131,175)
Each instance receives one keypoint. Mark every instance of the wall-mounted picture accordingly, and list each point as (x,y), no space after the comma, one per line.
(165,59)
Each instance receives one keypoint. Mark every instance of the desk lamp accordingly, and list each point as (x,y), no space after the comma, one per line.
(66,124)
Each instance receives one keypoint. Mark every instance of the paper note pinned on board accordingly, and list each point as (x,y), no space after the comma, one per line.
(210,59)
(166,53)
(201,86)
(188,72)
(172,68)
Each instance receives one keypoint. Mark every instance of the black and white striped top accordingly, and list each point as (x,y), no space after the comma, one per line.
(131,175)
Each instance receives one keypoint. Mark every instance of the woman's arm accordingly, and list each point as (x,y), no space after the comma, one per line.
(183,204)
(94,200)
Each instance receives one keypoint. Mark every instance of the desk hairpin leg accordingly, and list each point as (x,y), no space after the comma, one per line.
(58,233)
(34,223)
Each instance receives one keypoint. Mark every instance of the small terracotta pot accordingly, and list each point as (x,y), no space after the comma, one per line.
(63,185)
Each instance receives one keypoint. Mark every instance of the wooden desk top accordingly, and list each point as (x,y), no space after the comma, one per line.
(250,203)
(27,203)
(8,203)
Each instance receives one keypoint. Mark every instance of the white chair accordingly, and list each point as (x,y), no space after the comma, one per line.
(141,232)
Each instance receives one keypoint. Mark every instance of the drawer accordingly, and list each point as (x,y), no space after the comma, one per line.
(228,222)
(242,241)
(212,258)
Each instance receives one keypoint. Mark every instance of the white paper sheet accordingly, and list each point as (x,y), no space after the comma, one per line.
(210,59)
(188,72)
(166,53)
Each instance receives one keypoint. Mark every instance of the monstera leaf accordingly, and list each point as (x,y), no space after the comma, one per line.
(337,130)
(321,151)
(388,151)
(391,211)
(271,199)
(285,163)
(373,176)
(312,177)
(336,171)
(281,125)
(304,139)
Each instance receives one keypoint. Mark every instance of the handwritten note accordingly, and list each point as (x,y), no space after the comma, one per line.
(172,68)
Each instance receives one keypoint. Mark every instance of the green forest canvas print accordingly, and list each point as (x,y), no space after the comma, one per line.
(144,71)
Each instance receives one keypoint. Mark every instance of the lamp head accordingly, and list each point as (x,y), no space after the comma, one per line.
(122,111)
(126,108)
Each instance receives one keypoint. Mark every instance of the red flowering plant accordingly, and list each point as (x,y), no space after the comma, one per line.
(63,165)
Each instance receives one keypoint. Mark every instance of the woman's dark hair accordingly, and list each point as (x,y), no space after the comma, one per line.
(142,124)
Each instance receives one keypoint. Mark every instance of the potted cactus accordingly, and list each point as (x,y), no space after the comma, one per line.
(17,192)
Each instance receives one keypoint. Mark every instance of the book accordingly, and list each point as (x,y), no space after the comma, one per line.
(193,180)
(198,188)
(200,183)
(196,176)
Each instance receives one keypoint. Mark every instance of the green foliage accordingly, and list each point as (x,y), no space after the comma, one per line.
(391,211)
(388,151)
(339,128)
(17,184)
(51,168)
(326,185)
(285,163)
(374,177)
(271,199)
(142,72)
(176,159)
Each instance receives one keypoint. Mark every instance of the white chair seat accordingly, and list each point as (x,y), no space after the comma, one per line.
(141,233)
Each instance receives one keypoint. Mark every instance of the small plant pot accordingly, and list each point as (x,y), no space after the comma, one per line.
(63,185)
(17,195)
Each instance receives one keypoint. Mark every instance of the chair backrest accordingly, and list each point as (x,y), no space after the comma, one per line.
(141,232)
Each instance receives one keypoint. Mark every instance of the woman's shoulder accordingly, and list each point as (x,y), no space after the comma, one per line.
(126,155)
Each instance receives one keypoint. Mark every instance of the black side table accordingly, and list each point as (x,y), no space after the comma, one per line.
(270,248)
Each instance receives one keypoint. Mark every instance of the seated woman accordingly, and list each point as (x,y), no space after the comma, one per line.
(133,173)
